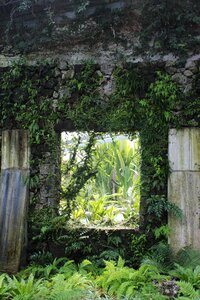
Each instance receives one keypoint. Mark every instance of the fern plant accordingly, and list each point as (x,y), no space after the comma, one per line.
(26,289)
(188,257)
(71,288)
(188,275)
(158,205)
(4,287)
(68,269)
(187,291)
(125,282)
(160,256)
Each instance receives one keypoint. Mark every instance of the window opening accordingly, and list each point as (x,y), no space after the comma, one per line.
(100,179)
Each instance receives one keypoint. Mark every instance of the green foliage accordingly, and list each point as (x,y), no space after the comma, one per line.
(114,281)
(112,196)
(41,257)
(120,159)
(4,287)
(158,205)
(188,257)
(84,90)
(125,282)
(23,99)
(187,291)
(161,256)
(138,248)
(138,104)
(162,231)
(158,108)
(65,287)
(78,172)
(190,275)
(25,289)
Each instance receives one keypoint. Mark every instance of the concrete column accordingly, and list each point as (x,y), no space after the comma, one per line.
(13,198)
(184,187)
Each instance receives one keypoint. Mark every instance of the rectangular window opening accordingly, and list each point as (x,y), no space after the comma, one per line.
(100,179)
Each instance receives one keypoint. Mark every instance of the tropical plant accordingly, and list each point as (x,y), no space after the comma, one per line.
(4,287)
(118,171)
(72,288)
(188,257)
(187,291)
(114,281)
(158,205)
(26,289)
(122,281)
(161,256)
(189,275)
(113,195)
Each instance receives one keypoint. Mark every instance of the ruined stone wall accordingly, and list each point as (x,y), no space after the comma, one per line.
(184,74)
(109,33)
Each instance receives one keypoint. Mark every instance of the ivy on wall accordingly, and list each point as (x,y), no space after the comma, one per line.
(137,104)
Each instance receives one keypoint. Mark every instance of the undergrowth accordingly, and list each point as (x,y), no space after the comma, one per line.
(63,279)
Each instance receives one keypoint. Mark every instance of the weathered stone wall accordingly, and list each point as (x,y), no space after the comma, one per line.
(120,29)
(65,68)
(108,32)
(68,24)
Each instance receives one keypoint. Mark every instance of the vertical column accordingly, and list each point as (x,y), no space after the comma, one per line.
(184,187)
(13,198)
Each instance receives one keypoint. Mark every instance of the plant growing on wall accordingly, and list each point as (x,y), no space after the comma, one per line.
(135,105)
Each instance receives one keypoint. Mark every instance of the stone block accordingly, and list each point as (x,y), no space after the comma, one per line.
(188,73)
(69,74)
(179,78)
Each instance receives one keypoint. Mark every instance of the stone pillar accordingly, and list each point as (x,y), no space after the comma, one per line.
(184,187)
(13,198)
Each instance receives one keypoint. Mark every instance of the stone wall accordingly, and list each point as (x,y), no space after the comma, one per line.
(122,29)
(65,68)
(66,34)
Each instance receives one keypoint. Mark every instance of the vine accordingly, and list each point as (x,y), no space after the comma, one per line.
(149,107)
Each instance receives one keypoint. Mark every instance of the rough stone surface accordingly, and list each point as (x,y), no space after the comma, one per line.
(64,92)
(63,65)
(188,73)
(180,78)
(69,74)
(191,65)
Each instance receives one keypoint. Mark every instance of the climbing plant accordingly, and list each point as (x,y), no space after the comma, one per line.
(137,104)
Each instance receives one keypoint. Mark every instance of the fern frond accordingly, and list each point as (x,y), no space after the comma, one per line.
(188,257)
(187,290)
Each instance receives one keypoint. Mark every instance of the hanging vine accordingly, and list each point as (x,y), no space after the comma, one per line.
(135,105)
